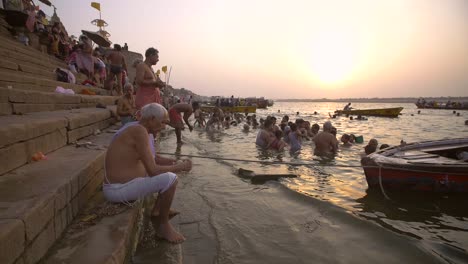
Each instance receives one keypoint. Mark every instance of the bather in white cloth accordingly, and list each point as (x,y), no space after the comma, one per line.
(139,187)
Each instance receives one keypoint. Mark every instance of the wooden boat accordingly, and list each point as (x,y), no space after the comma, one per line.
(232,109)
(435,166)
(386,112)
(453,106)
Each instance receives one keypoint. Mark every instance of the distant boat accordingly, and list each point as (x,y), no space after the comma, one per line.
(385,112)
(262,103)
(447,106)
(232,109)
(434,166)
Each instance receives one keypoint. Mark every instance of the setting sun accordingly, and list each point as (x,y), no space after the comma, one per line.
(333,57)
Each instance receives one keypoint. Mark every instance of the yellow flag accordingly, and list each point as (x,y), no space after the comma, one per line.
(158,72)
(164,69)
(96,5)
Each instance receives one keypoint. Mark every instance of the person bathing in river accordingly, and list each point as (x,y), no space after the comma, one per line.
(325,142)
(133,170)
(294,139)
(371,146)
(216,118)
(346,139)
(177,122)
(199,118)
(266,138)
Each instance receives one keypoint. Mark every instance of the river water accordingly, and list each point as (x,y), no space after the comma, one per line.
(440,222)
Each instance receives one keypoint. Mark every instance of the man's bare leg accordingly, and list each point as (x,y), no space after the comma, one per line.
(119,83)
(157,207)
(111,78)
(178,133)
(165,229)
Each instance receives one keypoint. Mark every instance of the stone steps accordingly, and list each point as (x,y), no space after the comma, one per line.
(39,200)
(11,44)
(16,61)
(21,136)
(18,58)
(13,101)
(22,81)
(96,237)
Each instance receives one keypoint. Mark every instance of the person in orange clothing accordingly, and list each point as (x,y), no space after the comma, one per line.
(177,122)
(148,83)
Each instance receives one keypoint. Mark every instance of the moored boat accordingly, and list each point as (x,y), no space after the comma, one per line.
(385,112)
(450,106)
(434,166)
(232,109)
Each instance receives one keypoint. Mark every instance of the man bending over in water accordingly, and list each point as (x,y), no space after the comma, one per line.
(133,170)
(177,122)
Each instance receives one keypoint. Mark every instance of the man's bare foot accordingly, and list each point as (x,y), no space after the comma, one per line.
(167,232)
(172,213)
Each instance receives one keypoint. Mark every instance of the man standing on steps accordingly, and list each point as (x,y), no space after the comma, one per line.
(133,170)
(148,83)
(177,122)
(116,66)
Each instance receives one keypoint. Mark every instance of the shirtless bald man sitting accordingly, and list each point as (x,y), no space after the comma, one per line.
(134,170)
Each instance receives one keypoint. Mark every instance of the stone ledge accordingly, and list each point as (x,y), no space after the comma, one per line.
(74,135)
(6,109)
(15,46)
(18,154)
(42,194)
(106,240)
(11,230)
(19,80)
(24,127)
(21,128)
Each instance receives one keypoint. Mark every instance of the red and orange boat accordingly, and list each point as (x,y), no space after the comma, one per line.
(434,166)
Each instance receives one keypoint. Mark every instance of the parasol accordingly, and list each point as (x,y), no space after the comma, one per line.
(47,2)
(97,38)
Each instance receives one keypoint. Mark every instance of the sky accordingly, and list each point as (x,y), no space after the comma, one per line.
(301,49)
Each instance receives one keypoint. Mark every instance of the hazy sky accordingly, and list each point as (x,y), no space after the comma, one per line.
(295,48)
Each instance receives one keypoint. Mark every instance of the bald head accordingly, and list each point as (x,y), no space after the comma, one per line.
(327,126)
(153,110)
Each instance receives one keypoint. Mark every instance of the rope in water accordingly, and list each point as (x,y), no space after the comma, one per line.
(256,161)
(300,163)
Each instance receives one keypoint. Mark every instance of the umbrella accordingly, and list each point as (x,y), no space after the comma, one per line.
(47,2)
(97,38)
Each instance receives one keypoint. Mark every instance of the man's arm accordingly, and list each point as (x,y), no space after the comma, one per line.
(334,144)
(160,160)
(144,151)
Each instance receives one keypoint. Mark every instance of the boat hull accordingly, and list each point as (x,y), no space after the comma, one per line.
(232,109)
(430,166)
(403,179)
(385,112)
